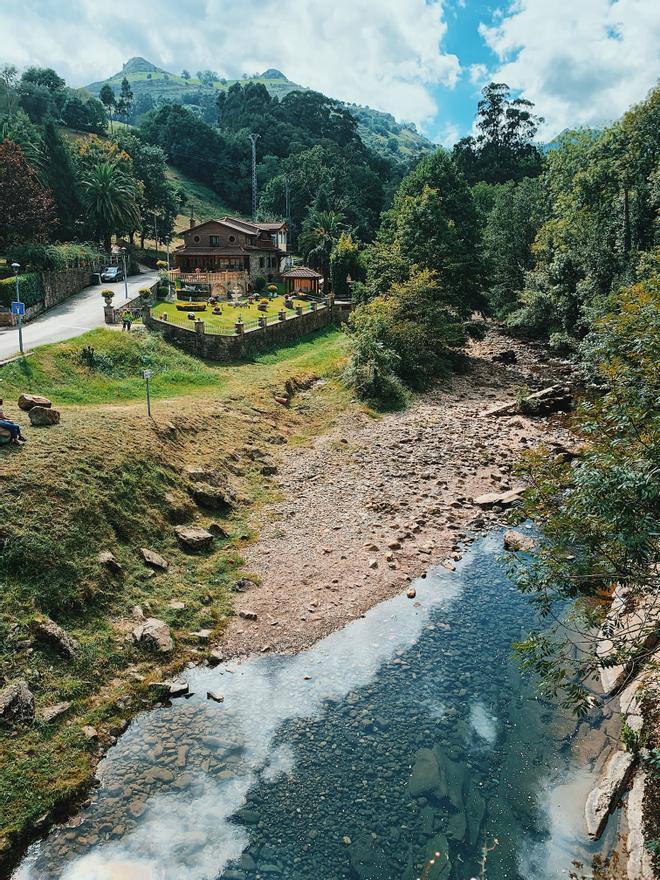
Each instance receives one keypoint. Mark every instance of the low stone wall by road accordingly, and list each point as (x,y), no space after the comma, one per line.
(232,348)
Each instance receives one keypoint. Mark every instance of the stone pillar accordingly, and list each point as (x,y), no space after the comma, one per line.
(281,315)
(239,327)
(299,311)
(263,321)
(109,314)
(199,326)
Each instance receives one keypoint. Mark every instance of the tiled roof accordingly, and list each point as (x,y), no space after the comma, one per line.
(301,272)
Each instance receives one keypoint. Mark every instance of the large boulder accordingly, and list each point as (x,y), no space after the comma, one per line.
(154,560)
(607,793)
(503,499)
(16,703)
(193,538)
(26,402)
(43,417)
(154,634)
(50,633)
(108,560)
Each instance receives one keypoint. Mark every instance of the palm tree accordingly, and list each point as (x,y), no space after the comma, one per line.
(110,199)
(319,234)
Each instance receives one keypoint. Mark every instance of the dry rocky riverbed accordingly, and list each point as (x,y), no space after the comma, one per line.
(372,504)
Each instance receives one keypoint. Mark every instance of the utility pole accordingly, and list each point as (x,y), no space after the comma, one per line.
(253,140)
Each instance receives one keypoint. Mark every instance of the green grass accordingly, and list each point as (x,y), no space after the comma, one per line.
(205,202)
(230,314)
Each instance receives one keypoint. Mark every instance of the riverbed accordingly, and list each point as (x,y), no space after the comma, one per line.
(405,737)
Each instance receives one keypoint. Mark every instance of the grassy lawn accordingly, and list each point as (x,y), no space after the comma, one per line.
(230,313)
(98,481)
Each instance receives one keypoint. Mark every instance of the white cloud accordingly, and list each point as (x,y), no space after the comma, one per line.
(385,53)
(582,62)
(478,74)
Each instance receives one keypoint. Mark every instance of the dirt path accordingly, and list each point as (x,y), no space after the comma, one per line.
(373,503)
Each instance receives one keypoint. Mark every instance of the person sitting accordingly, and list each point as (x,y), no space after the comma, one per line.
(13,428)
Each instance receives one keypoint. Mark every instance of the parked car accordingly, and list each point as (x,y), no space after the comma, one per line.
(112,273)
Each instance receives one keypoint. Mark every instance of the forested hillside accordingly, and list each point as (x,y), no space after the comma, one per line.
(152,86)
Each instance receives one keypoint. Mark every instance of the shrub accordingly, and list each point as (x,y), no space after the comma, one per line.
(259,283)
(55,256)
(191,306)
(145,292)
(30,287)
(371,370)
(107,294)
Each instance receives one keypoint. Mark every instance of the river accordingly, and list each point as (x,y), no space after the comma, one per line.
(407,736)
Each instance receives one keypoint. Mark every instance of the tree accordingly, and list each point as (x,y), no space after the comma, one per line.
(61,176)
(8,96)
(110,199)
(125,102)
(503,149)
(599,514)
(27,206)
(43,76)
(319,234)
(515,216)
(185,74)
(107,97)
(417,323)
(345,261)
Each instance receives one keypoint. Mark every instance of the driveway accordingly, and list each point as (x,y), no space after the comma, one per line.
(76,315)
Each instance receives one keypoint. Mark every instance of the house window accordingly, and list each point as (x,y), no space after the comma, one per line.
(196,239)
(232,238)
(261,262)
(214,240)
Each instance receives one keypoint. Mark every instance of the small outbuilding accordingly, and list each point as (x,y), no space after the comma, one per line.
(302,279)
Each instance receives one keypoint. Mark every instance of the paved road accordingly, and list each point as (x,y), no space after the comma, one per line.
(81,312)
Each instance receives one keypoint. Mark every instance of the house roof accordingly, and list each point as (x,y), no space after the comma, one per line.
(244,226)
(301,272)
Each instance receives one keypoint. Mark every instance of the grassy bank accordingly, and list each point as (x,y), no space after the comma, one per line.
(98,481)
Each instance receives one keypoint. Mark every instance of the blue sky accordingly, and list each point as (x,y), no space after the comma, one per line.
(582,62)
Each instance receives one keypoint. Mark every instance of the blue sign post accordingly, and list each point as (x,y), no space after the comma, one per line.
(18,308)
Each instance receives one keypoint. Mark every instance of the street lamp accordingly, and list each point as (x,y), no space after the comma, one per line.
(123,258)
(147,374)
(19,314)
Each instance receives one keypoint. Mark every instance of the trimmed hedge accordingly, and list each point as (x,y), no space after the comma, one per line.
(56,256)
(30,286)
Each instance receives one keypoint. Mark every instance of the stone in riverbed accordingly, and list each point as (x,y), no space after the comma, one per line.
(605,796)
(51,634)
(43,417)
(172,688)
(516,541)
(504,499)
(192,538)
(155,634)
(215,695)
(16,702)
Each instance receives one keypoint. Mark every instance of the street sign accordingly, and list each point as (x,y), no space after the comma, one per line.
(18,308)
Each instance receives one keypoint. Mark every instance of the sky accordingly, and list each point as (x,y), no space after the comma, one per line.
(582,62)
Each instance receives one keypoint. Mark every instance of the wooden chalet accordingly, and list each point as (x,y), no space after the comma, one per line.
(302,279)
(233,247)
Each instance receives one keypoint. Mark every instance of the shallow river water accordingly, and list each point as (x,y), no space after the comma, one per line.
(407,734)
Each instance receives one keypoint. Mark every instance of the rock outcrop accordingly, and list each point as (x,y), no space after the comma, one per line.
(108,560)
(16,703)
(154,634)
(607,793)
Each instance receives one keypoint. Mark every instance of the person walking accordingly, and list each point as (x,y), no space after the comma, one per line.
(126,320)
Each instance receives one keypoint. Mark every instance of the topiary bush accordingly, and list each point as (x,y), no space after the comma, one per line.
(30,287)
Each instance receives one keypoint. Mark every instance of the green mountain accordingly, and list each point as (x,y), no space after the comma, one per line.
(152,85)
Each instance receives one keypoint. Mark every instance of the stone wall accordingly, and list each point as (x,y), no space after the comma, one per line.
(232,348)
(62,284)
(135,305)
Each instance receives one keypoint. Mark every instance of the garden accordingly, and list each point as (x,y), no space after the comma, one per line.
(223,315)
